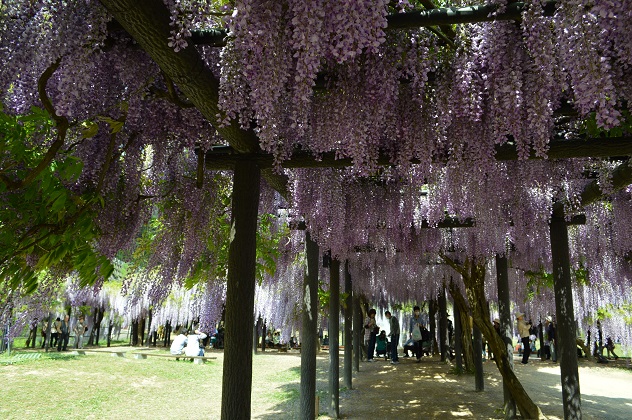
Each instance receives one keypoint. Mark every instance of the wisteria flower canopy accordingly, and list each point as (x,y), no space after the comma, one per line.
(417,118)
(404,134)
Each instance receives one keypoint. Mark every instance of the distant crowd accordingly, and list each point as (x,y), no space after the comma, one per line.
(419,341)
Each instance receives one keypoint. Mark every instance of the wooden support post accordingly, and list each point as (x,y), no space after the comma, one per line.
(358,332)
(96,328)
(504,309)
(443,325)
(49,331)
(479,384)
(458,349)
(255,341)
(134,334)
(167,337)
(334,332)
(565,317)
(310,336)
(149,340)
(348,337)
(433,326)
(240,293)
(109,339)
(541,338)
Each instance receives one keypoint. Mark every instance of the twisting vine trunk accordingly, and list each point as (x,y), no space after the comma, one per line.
(473,275)
(466,331)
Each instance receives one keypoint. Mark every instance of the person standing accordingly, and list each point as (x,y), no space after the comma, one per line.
(547,339)
(394,334)
(610,348)
(416,323)
(32,332)
(44,332)
(54,332)
(80,329)
(550,332)
(523,331)
(370,333)
(63,334)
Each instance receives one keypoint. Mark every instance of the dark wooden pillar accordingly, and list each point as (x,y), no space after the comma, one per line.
(348,337)
(255,341)
(149,340)
(101,311)
(565,317)
(109,338)
(433,326)
(310,336)
(358,332)
(458,349)
(541,338)
(504,309)
(167,336)
(443,325)
(264,335)
(240,293)
(49,330)
(134,335)
(334,332)
(479,384)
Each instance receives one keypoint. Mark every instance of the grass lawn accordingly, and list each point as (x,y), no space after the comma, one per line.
(60,385)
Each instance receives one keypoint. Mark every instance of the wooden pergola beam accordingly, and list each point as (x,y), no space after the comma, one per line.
(621,178)
(225,157)
(443,16)
(456,15)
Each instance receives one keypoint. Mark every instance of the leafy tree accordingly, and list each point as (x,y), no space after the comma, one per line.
(44,222)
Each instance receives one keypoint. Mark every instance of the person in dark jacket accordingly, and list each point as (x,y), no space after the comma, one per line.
(394,334)
(64,334)
(550,332)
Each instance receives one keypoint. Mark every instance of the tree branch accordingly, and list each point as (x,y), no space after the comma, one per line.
(174,95)
(67,222)
(459,268)
(61,125)
(110,155)
(445,29)
(148,22)
(170,95)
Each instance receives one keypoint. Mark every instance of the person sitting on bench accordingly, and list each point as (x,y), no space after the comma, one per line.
(193,347)
(177,347)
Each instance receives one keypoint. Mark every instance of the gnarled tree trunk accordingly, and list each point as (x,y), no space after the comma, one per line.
(466,332)
(473,277)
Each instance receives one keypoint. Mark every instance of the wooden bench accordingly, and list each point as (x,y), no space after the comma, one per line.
(115,353)
(198,360)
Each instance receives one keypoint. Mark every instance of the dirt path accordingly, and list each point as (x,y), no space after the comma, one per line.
(428,389)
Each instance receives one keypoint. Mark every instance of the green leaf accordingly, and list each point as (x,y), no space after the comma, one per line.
(115,126)
(89,129)
(73,168)
(59,203)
